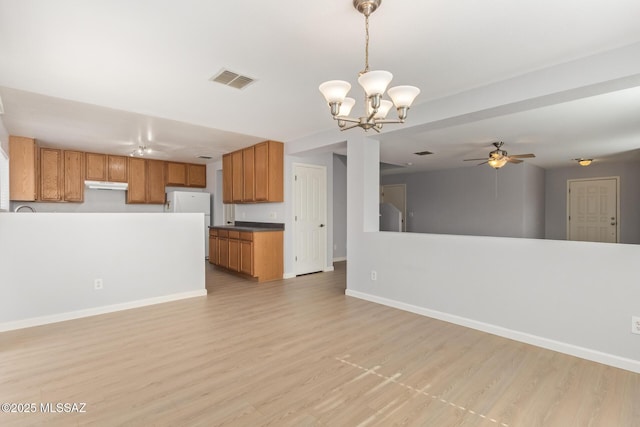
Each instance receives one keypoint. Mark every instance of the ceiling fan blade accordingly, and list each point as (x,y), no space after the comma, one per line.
(512,160)
(485,162)
(474,160)
(523,156)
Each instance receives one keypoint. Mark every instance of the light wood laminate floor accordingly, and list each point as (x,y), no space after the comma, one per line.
(299,353)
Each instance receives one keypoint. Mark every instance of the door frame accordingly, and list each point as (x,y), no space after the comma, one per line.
(325,229)
(568,195)
(404,211)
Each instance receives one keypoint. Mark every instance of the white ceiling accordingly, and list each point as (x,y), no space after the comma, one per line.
(105,75)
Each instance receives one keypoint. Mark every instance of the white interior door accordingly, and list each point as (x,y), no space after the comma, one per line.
(310,217)
(593,210)
(396,194)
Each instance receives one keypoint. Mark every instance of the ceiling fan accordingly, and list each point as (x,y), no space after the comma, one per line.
(498,157)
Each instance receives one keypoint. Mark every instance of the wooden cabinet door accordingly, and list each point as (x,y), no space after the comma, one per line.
(51,175)
(214,250)
(197,175)
(223,252)
(22,169)
(137,192)
(95,167)
(248,179)
(155,182)
(176,174)
(238,179)
(262,171)
(117,168)
(276,171)
(227,179)
(246,257)
(73,176)
(234,255)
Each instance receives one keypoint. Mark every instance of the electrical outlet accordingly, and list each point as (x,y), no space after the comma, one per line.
(635,324)
(374,275)
(97,284)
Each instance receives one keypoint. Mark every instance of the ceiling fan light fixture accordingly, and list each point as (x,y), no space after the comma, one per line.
(584,162)
(497,163)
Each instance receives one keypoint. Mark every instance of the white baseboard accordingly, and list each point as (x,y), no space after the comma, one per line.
(338,259)
(329,268)
(288,275)
(561,347)
(61,317)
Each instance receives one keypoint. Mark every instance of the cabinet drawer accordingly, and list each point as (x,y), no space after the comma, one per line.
(213,232)
(223,233)
(246,235)
(234,234)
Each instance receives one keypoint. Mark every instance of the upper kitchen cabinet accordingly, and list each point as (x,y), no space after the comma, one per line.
(248,175)
(237,182)
(269,171)
(177,174)
(51,175)
(155,182)
(227,178)
(105,167)
(117,168)
(61,175)
(186,175)
(22,169)
(197,175)
(73,176)
(95,166)
(254,174)
(146,181)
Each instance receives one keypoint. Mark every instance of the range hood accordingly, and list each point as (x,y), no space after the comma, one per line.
(105,185)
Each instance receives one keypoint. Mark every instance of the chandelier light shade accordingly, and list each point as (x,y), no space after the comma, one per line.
(375,85)
(584,162)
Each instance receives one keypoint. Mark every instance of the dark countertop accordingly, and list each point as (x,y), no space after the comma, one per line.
(252,226)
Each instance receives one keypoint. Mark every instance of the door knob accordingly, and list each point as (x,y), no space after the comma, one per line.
(321,225)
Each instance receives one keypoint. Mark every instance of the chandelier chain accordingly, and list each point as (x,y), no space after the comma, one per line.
(366,45)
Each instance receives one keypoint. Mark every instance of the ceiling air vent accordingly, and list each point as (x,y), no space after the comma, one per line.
(229,78)
(205,157)
(423,153)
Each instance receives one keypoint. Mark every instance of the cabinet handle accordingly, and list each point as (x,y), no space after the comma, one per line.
(321,225)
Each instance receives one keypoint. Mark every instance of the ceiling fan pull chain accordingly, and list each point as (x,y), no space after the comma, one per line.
(496,184)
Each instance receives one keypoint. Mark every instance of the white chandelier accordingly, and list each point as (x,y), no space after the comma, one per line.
(374,84)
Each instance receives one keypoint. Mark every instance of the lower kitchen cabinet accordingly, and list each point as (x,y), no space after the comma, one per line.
(256,254)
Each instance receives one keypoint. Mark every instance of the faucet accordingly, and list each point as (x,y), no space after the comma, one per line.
(17,209)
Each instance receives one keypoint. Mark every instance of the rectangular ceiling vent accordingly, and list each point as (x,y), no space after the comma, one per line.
(229,78)
(205,157)
(423,153)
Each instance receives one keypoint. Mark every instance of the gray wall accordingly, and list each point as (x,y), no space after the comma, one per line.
(339,206)
(475,201)
(534,202)
(556,197)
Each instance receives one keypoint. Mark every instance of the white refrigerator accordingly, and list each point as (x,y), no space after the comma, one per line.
(192,202)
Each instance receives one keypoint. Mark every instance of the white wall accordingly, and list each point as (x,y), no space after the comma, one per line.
(48,263)
(4,137)
(573,297)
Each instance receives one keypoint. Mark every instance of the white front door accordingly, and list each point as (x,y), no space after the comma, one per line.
(310,217)
(593,210)
(396,194)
